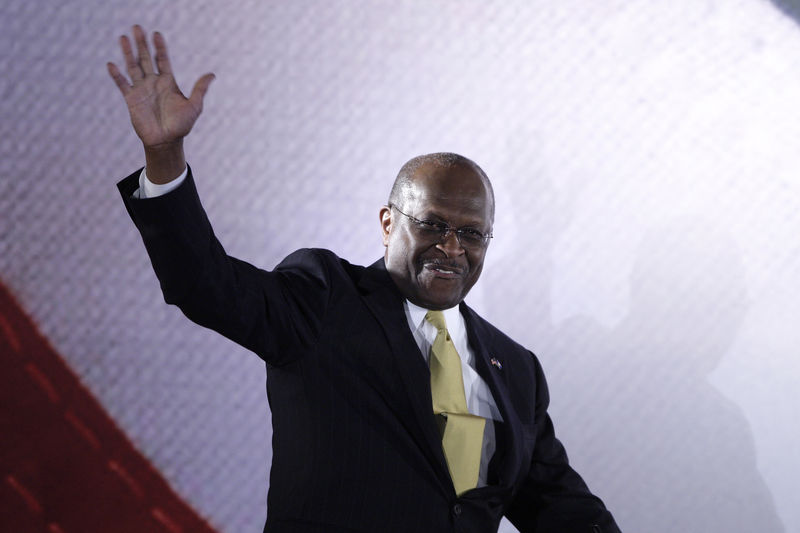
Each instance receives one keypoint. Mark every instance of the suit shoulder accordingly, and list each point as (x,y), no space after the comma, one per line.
(320,256)
(310,256)
(324,263)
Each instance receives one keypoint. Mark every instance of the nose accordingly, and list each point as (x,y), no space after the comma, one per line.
(450,244)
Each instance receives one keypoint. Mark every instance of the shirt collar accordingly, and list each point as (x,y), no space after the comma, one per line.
(452,316)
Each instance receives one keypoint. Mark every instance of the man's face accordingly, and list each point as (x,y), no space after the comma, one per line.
(431,272)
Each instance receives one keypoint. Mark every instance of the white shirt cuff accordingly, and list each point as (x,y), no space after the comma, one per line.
(148,189)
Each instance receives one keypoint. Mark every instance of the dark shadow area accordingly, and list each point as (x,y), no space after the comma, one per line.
(790,8)
(672,453)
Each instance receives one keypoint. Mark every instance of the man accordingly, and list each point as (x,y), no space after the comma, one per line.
(395,407)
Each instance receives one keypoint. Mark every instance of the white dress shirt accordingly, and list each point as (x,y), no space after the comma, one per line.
(148,189)
(479,398)
(480,401)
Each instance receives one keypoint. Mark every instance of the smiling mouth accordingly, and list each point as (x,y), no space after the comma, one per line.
(444,270)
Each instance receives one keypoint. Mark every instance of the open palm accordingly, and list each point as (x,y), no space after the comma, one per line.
(160,113)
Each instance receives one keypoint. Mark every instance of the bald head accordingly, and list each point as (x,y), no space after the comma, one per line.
(404,183)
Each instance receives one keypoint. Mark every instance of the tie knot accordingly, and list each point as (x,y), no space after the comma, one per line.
(437,319)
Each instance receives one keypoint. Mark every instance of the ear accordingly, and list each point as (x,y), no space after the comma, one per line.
(386,223)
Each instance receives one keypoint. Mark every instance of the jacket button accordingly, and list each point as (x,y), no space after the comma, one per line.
(457,509)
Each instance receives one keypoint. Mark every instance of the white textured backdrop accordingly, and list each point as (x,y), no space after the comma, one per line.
(644,157)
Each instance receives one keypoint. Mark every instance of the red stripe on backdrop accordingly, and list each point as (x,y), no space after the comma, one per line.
(65,466)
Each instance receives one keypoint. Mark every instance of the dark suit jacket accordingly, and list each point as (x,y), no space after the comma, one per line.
(355,443)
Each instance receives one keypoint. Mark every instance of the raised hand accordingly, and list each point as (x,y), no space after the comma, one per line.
(161,115)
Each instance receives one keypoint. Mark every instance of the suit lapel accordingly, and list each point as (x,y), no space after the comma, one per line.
(386,304)
(507,459)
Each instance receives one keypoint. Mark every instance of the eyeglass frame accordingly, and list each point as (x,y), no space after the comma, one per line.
(446,229)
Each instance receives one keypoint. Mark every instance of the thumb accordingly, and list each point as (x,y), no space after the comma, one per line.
(199,90)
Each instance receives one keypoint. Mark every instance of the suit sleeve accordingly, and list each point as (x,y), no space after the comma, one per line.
(553,498)
(278,315)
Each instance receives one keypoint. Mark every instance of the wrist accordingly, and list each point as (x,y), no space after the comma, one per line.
(164,162)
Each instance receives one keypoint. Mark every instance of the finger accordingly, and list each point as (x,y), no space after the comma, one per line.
(199,90)
(145,61)
(118,78)
(134,71)
(162,59)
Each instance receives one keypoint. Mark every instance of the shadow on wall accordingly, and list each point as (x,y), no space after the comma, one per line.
(790,8)
(672,454)
(532,220)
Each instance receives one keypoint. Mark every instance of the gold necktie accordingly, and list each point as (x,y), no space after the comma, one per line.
(462,436)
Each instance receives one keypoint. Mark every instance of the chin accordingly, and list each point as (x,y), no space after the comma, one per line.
(440,302)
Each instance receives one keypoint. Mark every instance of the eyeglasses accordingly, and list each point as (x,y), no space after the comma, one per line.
(468,238)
